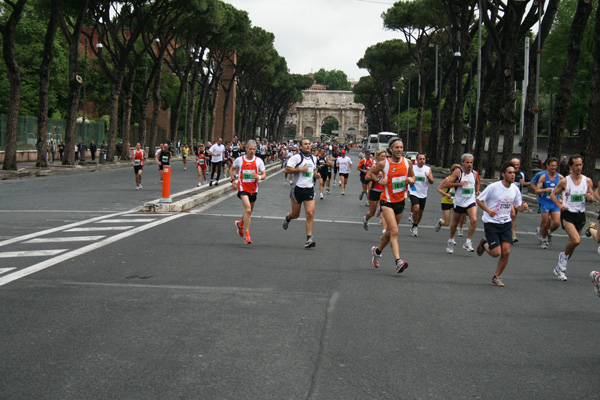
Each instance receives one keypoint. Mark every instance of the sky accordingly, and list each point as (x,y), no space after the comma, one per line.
(315,34)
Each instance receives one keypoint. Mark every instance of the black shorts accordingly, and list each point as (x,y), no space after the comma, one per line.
(497,233)
(325,174)
(374,195)
(447,206)
(397,207)
(344,175)
(251,196)
(414,200)
(160,167)
(463,210)
(335,168)
(363,178)
(577,219)
(300,195)
(137,168)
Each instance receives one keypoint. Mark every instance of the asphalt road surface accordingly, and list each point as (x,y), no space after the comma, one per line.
(100,301)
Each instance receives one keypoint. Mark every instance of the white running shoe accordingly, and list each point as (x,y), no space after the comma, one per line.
(538,234)
(378,213)
(562,261)
(595,277)
(376,257)
(560,274)
(460,231)
(544,244)
(410,220)
(450,247)
(438,226)
(321,196)
(468,246)
(401,265)
(414,231)
(453,242)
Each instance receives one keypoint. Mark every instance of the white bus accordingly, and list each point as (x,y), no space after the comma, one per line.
(383,138)
(373,143)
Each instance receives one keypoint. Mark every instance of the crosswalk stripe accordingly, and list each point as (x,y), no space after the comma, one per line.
(65,239)
(34,253)
(100,228)
(5,270)
(126,221)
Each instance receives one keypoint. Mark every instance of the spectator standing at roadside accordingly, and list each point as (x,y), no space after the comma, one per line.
(93,150)
(61,149)
(119,149)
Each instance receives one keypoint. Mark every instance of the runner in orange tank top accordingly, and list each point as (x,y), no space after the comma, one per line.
(397,176)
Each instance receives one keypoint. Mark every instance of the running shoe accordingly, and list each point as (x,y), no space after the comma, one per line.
(286,222)
(327,190)
(562,261)
(367,203)
(496,281)
(410,220)
(141,187)
(480,247)
(240,228)
(247,240)
(460,231)
(468,246)
(401,265)
(550,236)
(137,187)
(378,213)
(360,197)
(560,274)
(453,242)
(199,184)
(376,257)
(595,277)
(321,196)
(209,184)
(515,238)
(544,244)
(343,193)
(365,224)
(587,230)
(450,247)
(538,233)
(438,226)
(414,231)
(309,243)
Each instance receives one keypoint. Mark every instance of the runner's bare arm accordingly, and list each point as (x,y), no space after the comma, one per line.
(562,184)
(539,188)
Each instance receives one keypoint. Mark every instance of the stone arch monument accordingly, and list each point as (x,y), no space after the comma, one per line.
(318,105)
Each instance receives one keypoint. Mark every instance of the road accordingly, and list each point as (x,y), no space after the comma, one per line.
(177,307)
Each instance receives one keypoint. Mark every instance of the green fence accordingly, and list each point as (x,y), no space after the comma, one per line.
(27,128)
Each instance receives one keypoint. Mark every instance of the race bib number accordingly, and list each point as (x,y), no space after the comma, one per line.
(201,161)
(247,176)
(577,198)
(307,174)
(165,159)
(399,184)
(452,192)
(419,179)
(138,162)
(468,191)
(504,208)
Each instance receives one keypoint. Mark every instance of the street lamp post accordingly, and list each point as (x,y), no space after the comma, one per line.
(408,117)
(82,146)
(536,110)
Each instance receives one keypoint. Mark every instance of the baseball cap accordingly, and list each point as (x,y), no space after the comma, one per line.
(343,151)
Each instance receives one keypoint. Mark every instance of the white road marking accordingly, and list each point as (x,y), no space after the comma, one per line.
(57,211)
(33,253)
(126,221)
(5,270)
(86,249)
(100,228)
(64,239)
(61,228)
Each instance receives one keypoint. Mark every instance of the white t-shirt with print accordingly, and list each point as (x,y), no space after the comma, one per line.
(500,198)
(303,179)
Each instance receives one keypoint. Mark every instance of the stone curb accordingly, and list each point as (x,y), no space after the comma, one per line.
(195,200)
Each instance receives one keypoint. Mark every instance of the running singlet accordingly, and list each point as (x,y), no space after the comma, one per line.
(545,197)
(164,157)
(465,195)
(245,167)
(575,195)
(421,185)
(451,191)
(366,164)
(378,187)
(303,179)
(138,158)
(235,150)
(395,173)
(201,158)
(322,163)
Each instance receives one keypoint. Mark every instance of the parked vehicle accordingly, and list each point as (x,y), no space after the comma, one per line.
(383,138)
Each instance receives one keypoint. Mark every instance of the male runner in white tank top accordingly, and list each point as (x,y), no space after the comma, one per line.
(578,189)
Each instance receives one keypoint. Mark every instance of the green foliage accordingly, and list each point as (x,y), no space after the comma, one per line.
(334,79)
(330,124)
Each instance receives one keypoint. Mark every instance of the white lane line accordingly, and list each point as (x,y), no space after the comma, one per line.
(57,211)
(64,239)
(61,228)
(5,270)
(86,249)
(34,253)
(126,221)
(100,229)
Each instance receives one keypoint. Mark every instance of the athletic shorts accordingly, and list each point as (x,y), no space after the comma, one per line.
(184,157)
(374,195)
(251,196)
(549,207)
(577,219)
(497,233)
(363,178)
(397,207)
(325,174)
(414,200)
(300,195)
(137,168)
(447,206)
(335,168)
(463,210)
(343,175)
(202,166)
(160,167)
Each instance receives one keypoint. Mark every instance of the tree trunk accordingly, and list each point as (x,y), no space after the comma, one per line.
(14,76)
(114,115)
(126,119)
(563,97)
(496,120)
(176,111)
(155,110)
(592,143)
(433,136)
(72,102)
(484,108)
(213,111)
(445,148)
(191,107)
(47,57)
